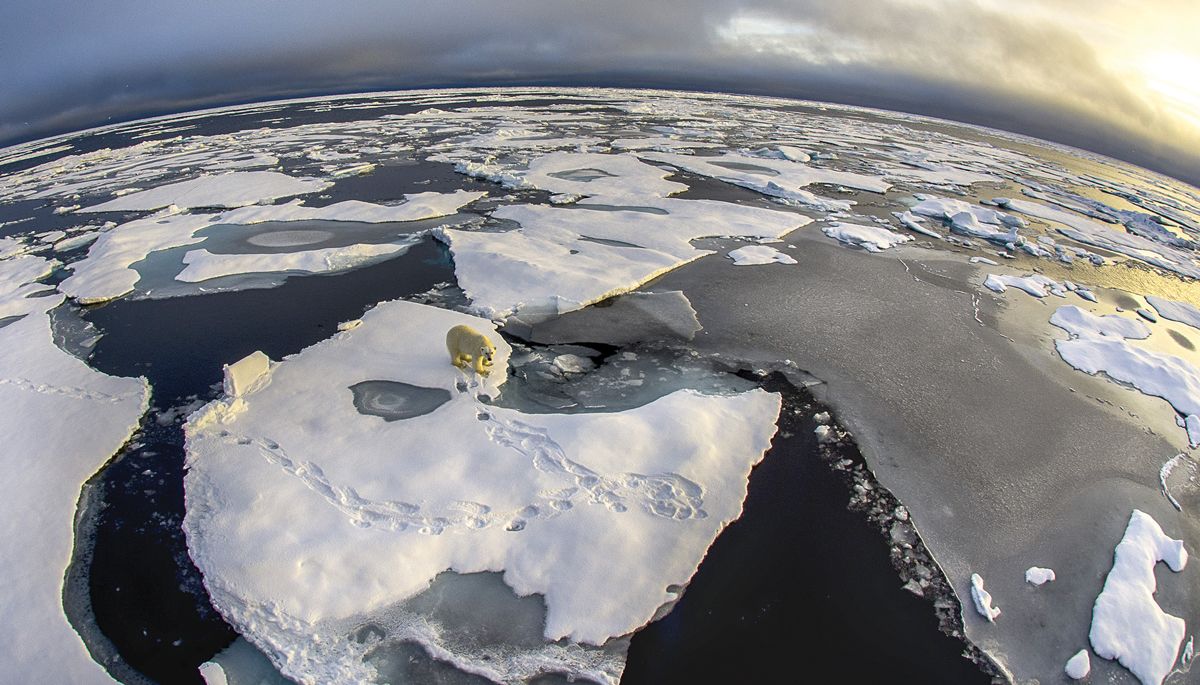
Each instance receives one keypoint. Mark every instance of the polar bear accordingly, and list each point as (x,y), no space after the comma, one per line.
(467,345)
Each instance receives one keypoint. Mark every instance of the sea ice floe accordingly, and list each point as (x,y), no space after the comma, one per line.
(415,207)
(616,179)
(1098,234)
(232,189)
(1175,311)
(968,219)
(564,258)
(1082,323)
(1037,575)
(983,599)
(107,273)
(759,254)
(43,389)
(203,265)
(914,223)
(780,178)
(10,247)
(870,238)
(1036,285)
(1100,344)
(1079,666)
(1127,623)
(376,509)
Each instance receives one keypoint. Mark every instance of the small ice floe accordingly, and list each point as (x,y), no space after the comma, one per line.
(824,434)
(1038,575)
(1079,665)
(1098,234)
(1036,285)
(11,247)
(1147,315)
(983,260)
(233,189)
(1086,294)
(970,219)
(416,206)
(1175,311)
(821,417)
(913,223)
(759,254)
(1127,624)
(1082,323)
(870,238)
(983,599)
(203,265)
(76,241)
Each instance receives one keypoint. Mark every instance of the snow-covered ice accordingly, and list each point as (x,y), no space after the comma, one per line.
(564,258)
(203,265)
(870,238)
(914,223)
(759,254)
(107,273)
(983,599)
(1079,666)
(1127,623)
(1037,575)
(233,189)
(775,177)
(1100,344)
(1036,285)
(1095,233)
(377,509)
(43,389)
(1176,311)
(415,207)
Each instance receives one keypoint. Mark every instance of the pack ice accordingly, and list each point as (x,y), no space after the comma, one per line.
(624,232)
(42,390)
(604,530)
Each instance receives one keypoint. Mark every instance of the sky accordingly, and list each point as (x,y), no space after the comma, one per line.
(1119,77)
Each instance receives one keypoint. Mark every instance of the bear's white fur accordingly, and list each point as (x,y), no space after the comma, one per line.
(468,346)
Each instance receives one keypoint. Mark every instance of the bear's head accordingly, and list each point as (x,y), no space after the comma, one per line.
(486,351)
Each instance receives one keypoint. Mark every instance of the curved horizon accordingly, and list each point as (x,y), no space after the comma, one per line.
(1109,79)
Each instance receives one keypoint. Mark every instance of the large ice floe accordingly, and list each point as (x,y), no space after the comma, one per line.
(1101,344)
(61,420)
(232,189)
(379,510)
(1127,624)
(108,271)
(623,234)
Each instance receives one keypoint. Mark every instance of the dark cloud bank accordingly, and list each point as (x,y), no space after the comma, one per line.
(76,65)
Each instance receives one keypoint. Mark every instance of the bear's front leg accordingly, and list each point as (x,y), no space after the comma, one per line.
(480,368)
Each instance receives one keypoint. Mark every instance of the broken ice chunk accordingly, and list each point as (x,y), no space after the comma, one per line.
(242,375)
(983,599)
(759,254)
(1038,575)
(1176,311)
(870,238)
(1079,665)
